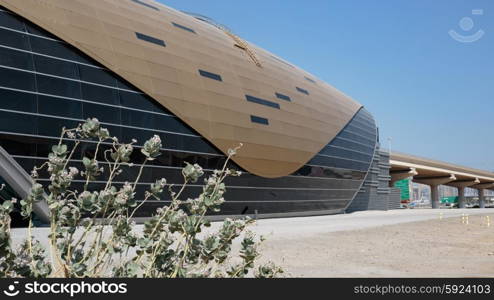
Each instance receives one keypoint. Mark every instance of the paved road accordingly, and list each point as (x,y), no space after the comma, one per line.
(287,228)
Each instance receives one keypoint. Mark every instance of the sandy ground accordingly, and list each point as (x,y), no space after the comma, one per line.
(399,243)
(442,246)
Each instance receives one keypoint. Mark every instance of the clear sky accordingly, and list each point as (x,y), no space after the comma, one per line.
(432,94)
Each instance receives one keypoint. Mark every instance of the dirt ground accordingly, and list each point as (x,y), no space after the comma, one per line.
(398,243)
(434,248)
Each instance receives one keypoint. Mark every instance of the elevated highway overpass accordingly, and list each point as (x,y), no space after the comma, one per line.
(435,173)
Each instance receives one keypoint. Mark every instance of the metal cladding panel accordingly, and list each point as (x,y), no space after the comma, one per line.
(109,30)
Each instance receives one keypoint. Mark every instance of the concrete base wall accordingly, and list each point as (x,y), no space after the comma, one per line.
(394,201)
(375,193)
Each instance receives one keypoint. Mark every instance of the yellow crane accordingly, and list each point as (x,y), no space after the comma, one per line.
(239,42)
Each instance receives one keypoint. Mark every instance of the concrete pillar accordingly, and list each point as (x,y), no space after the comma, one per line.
(481,188)
(435,196)
(434,183)
(481,198)
(461,197)
(461,185)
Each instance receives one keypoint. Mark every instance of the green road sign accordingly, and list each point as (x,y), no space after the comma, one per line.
(452,199)
(404,186)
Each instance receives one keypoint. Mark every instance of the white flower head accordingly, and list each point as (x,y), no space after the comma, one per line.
(71,135)
(73,171)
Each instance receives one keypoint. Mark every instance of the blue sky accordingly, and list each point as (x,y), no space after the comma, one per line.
(433,95)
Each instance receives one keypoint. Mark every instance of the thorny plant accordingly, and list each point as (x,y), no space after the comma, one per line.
(171,244)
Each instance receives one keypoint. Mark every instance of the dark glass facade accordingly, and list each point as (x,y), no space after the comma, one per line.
(46,84)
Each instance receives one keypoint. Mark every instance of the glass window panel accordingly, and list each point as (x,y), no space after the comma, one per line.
(59,49)
(18,145)
(83,58)
(139,101)
(121,83)
(43,146)
(154,121)
(303,91)
(100,94)
(130,133)
(107,114)
(60,107)
(146,4)
(197,144)
(259,120)
(17,122)
(138,119)
(52,127)
(96,75)
(34,29)
(171,141)
(52,48)
(10,21)
(339,152)
(362,116)
(210,75)
(55,67)
(246,194)
(17,79)
(358,138)
(365,131)
(310,79)
(352,145)
(29,164)
(173,124)
(262,101)
(13,39)
(339,163)
(330,172)
(20,101)
(150,39)
(173,176)
(183,27)
(363,123)
(59,87)
(16,59)
(283,97)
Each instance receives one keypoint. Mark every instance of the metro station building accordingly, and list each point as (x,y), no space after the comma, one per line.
(143,68)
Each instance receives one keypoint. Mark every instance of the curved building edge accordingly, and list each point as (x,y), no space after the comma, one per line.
(46,83)
(144,42)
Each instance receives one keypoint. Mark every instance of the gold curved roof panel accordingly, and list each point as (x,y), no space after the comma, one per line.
(106,31)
